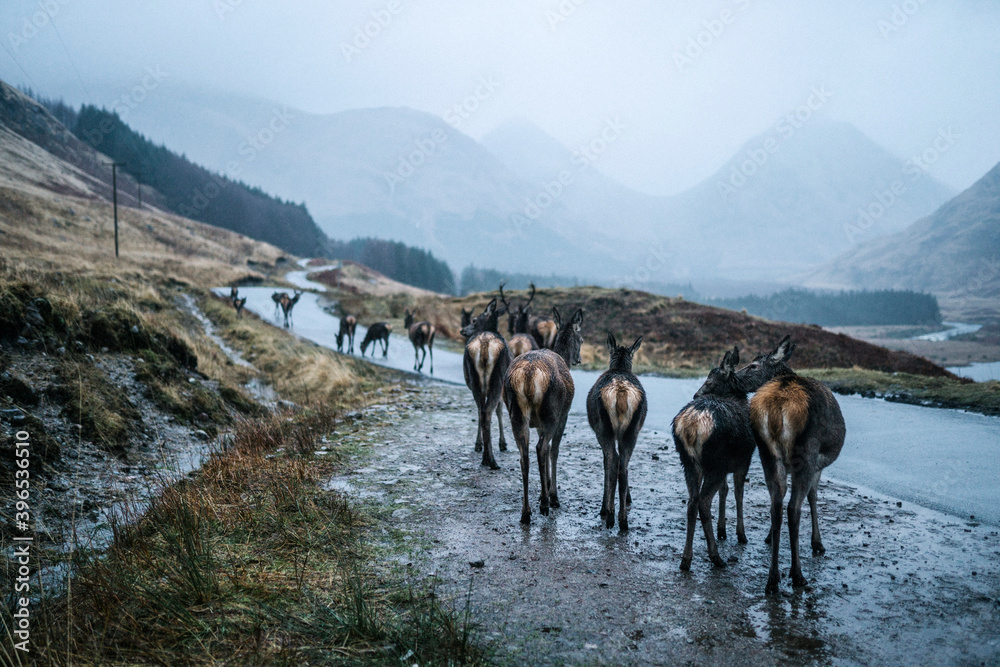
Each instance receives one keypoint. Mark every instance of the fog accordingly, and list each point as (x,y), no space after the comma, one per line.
(691,81)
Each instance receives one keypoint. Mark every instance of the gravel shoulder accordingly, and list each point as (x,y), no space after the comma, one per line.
(899,584)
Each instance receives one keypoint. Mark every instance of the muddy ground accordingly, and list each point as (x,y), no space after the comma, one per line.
(899,584)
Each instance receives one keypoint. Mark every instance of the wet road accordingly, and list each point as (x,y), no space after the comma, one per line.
(899,584)
(947,460)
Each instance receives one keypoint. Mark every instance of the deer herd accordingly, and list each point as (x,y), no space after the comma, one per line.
(793,422)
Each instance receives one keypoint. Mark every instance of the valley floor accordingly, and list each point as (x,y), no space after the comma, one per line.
(899,584)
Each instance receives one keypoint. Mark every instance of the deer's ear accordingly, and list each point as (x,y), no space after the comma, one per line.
(782,349)
(612,343)
(725,360)
(577,317)
(735,359)
(789,353)
(556,316)
(490,307)
(635,345)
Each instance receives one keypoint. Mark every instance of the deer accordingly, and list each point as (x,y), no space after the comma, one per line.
(287,304)
(468,332)
(277,297)
(421,335)
(234,292)
(466,318)
(484,364)
(348,324)
(713,438)
(517,324)
(616,410)
(238,304)
(378,331)
(799,430)
(538,391)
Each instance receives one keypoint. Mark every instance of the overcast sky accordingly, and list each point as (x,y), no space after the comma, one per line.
(691,81)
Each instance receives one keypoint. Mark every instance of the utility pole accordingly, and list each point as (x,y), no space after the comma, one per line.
(138,188)
(114,188)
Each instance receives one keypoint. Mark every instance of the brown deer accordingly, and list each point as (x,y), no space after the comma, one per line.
(238,304)
(799,429)
(538,391)
(713,438)
(485,364)
(234,292)
(421,335)
(348,323)
(468,331)
(616,410)
(519,342)
(277,297)
(378,332)
(287,304)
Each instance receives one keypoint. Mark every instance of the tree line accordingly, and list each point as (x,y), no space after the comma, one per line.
(854,308)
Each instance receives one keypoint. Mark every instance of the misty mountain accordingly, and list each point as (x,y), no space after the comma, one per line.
(388,172)
(788,201)
(791,197)
(954,251)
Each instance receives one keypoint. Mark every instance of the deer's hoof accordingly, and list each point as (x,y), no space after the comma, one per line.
(553,500)
(767,540)
(623,525)
(818,549)
(609,520)
(721,533)
(772,586)
(628,498)
(492,465)
(741,538)
(798,581)
(503,446)
(717,561)
(686,563)
(479,446)
(525,518)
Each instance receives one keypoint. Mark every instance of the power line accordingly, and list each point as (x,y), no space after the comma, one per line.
(52,20)
(27,76)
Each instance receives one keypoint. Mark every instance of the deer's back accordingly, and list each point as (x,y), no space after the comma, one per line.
(539,378)
(483,353)
(789,410)
(618,395)
(711,428)
(520,344)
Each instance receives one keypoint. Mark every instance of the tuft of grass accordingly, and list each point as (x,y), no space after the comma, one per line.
(249,562)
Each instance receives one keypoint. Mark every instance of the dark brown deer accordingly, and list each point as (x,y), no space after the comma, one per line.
(422,336)
(238,304)
(800,430)
(277,297)
(378,332)
(234,292)
(713,438)
(468,331)
(466,318)
(288,304)
(517,323)
(538,391)
(348,324)
(616,410)
(485,365)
